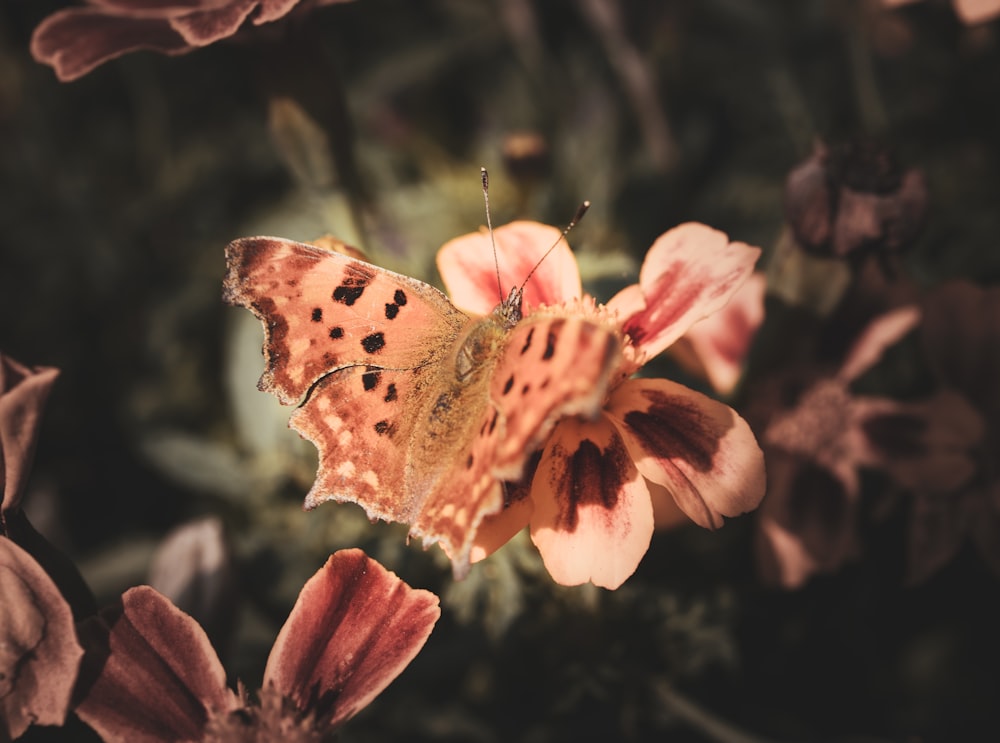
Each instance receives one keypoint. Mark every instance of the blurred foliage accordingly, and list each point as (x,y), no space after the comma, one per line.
(370,121)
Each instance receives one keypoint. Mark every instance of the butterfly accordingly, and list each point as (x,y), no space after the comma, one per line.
(420,412)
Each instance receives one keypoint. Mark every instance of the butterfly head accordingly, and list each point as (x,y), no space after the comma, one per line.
(509,311)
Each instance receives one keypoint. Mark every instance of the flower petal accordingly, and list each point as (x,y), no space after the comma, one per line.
(690,272)
(272,10)
(354,628)
(593,519)
(976,11)
(499,528)
(204,27)
(470,274)
(23,392)
(76,40)
(884,331)
(716,347)
(39,654)
(150,673)
(807,524)
(696,447)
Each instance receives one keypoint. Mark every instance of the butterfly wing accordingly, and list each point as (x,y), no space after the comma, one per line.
(547,366)
(324,311)
(358,342)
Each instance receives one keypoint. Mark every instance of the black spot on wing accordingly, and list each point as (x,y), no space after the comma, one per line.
(317,314)
(370,380)
(527,341)
(348,294)
(336,332)
(508,384)
(469,461)
(525,388)
(383,427)
(493,421)
(399,297)
(391,310)
(390,393)
(373,343)
(550,346)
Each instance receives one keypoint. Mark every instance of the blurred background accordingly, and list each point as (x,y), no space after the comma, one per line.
(369,120)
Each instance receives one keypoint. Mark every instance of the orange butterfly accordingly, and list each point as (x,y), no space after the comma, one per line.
(418,410)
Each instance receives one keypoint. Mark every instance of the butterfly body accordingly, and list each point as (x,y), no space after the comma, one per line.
(418,411)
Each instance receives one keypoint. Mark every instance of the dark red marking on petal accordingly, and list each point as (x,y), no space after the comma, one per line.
(593,477)
(674,427)
(373,343)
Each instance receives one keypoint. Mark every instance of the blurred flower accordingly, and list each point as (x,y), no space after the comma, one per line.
(961,337)
(844,199)
(816,449)
(589,496)
(39,654)
(23,392)
(969,11)
(151,674)
(75,40)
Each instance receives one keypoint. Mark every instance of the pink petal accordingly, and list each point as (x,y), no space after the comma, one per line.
(76,40)
(155,8)
(150,673)
(927,446)
(204,27)
(806,524)
(23,392)
(354,628)
(717,346)
(977,11)
(696,447)
(882,333)
(272,10)
(470,274)
(593,519)
(39,654)
(690,272)
(961,336)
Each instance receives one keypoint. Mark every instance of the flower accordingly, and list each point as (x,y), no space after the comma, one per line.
(151,674)
(658,449)
(970,12)
(816,449)
(23,392)
(844,199)
(74,41)
(39,654)
(961,338)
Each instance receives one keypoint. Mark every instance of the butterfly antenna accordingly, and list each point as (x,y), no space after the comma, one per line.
(580,211)
(489,226)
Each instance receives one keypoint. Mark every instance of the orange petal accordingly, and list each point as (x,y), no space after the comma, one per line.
(593,519)
(39,654)
(354,628)
(696,447)
(470,274)
(150,673)
(690,272)
(496,530)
